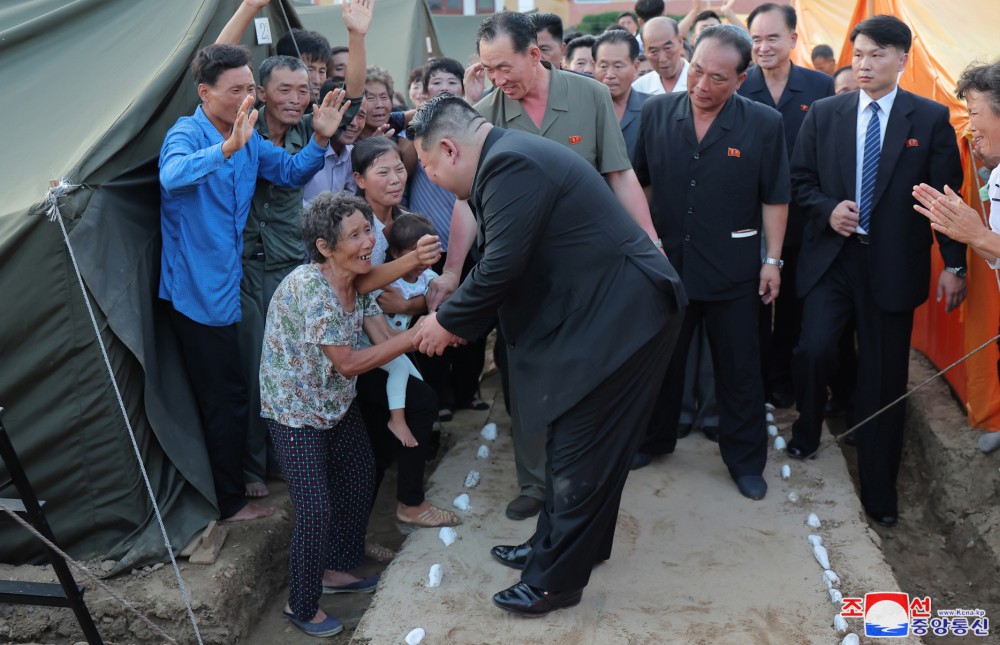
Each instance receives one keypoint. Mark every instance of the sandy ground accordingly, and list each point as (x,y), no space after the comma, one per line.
(694,562)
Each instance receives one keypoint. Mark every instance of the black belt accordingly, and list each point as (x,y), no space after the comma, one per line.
(861,238)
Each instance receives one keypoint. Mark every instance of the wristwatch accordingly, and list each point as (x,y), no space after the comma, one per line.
(776,262)
(956,271)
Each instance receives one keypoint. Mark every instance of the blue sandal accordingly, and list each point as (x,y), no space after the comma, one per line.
(330,626)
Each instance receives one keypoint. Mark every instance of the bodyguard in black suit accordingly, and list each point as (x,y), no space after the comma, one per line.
(715,166)
(779,83)
(590,310)
(864,251)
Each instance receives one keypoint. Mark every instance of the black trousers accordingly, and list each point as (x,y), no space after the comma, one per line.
(883,366)
(733,337)
(212,360)
(780,323)
(589,450)
(421,413)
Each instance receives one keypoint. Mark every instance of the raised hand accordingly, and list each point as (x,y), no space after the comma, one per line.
(256,5)
(246,117)
(358,15)
(475,83)
(428,250)
(327,117)
(384,131)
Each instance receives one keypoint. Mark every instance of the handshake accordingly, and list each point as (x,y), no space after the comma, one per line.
(430,338)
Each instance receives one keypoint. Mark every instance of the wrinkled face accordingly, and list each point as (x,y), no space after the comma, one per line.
(222,101)
(845,82)
(550,47)
(663,49)
(984,124)
(876,68)
(317,75)
(615,69)
(353,248)
(286,95)
(628,24)
(356,126)
(416,93)
(773,41)
(379,104)
(383,181)
(442,81)
(446,166)
(512,73)
(712,78)
(336,67)
(581,60)
(702,25)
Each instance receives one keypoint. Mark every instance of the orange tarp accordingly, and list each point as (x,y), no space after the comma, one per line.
(945,41)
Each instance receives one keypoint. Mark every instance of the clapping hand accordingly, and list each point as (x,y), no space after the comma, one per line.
(358,15)
(327,117)
(246,117)
(948,214)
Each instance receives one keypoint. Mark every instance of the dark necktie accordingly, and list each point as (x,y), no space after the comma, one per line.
(869,171)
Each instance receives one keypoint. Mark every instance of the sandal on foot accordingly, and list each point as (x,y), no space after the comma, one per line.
(328,627)
(431,518)
(379,553)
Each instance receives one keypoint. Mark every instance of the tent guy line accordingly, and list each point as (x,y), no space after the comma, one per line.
(57,190)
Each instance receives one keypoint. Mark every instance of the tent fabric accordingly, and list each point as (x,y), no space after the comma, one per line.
(402,36)
(457,35)
(945,41)
(820,22)
(98,117)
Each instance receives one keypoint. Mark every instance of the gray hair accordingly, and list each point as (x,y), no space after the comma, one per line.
(983,78)
(271,63)
(445,114)
(322,218)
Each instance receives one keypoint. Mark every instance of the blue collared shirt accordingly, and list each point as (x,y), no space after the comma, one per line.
(204,202)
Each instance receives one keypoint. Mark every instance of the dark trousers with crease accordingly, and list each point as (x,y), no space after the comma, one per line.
(883,366)
(589,450)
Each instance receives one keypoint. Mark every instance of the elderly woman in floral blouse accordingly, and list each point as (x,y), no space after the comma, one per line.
(308,370)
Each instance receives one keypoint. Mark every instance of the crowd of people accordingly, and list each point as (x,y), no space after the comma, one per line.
(691,244)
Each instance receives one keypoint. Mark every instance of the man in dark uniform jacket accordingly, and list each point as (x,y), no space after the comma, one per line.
(863,252)
(590,311)
(779,83)
(715,166)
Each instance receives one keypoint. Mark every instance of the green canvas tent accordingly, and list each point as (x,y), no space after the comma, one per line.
(92,88)
(401,38)
(457,35)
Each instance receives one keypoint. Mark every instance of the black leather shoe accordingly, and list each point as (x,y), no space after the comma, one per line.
(640,460)
(885,519)
(782,400)
(711,433)
(522,507)
(510,555)
(525,600)
(795,452)
(752,486)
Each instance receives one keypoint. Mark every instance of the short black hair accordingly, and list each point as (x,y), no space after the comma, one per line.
(448,65)
(787,12)
(322,218)
(549,22)
(518,27)
(210,62)
(443,114)
(271,63)
(628,14)
(732,36)
(885,31)
(580,42)
(841,70)
(821,51)
(616,36)
(570,35)
(416,74)
(705,15)
(983,78)
(299,43)
(406,231)
(330,85)
(647,9)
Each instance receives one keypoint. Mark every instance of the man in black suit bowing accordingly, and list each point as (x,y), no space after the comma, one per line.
(590,311)
(857,159)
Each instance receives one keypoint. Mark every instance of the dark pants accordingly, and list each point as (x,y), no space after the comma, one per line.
(455,374)
(212,361)
(780,324)
(330,474)
(699,407)
(883,365)
(421,413)
(590,449)
(733,337)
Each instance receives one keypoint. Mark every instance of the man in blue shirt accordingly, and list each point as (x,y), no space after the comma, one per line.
(209,164)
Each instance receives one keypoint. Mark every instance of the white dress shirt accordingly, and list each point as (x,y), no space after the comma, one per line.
(994,192)
(864,116)
(650,83)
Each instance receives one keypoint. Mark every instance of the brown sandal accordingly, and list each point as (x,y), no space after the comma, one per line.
(379,553)
(431,518)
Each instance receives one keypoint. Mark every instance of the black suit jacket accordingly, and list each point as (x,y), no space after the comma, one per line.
(804,87)
(919,147)
(579,286)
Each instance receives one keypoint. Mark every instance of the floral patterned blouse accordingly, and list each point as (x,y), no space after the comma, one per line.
(299,387)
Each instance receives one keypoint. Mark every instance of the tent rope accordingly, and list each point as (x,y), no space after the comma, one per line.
(57,191)
(87,573)
(288,26)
